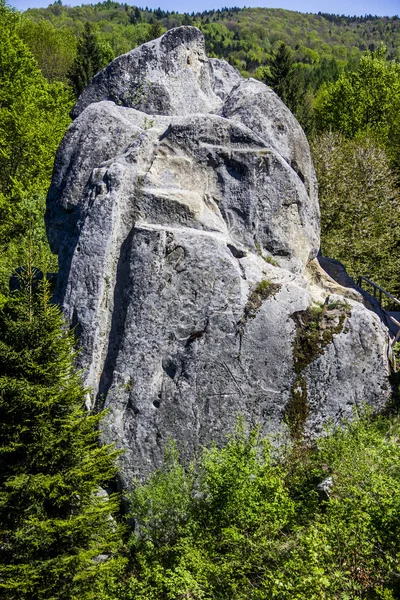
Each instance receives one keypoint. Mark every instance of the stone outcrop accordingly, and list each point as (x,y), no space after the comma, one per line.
(184,211)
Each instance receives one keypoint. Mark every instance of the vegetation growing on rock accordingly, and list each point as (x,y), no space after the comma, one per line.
(263,290)
(315,328)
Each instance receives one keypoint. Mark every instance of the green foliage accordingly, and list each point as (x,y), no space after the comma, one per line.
(202,531)
(295,53)
(315,328)
(244,521)
(366,101)
(268,258)
(297,409)
(271,261)
(360,207)
(156,30)
(288,83)
(33,119)
(54,48)
(351,545)
(281,77)
(92,56)
(53,520)
(357,166)
(322,45)
(247,522)
(263,290)
(29,240)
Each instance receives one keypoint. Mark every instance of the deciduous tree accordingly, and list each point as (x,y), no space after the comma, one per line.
(366,100)
(360,207)
(33,119)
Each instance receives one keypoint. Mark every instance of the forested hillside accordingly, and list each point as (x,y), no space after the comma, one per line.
(247,38)
(242,521)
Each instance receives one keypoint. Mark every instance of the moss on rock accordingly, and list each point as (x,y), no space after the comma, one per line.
(265,289)
(315,328)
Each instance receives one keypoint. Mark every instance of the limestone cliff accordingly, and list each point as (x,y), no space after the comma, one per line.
(184,211)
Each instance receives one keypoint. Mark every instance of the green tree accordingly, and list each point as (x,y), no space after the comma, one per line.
(288,83)
(54,48)
(33,241)
(54,522)
(249,522)
(281,79)
(33,119)
(366,100)
(350,548)
(360,207)
(211,530)
(92,56)
(156,30)
(33,115)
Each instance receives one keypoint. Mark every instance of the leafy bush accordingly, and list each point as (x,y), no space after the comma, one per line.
(248,522)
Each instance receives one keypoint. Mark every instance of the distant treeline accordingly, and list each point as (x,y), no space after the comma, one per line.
(247,37)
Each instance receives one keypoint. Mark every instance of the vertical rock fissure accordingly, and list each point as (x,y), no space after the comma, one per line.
(118,316)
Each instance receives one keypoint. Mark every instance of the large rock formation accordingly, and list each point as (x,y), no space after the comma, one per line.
(184,211)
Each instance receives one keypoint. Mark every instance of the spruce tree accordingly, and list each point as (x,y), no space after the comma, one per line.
(92,56)
(281,71)
(287,82)
(57,533)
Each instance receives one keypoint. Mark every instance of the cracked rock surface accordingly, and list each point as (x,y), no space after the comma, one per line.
(181,192)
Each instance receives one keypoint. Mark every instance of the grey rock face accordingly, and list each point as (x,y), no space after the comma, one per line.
(336,380)
(164,210)
(168,76)
(259,108)
(225,77)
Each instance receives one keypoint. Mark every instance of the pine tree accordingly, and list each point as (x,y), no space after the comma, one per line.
(92,56)
(281,68)
(287,82)
(54,521)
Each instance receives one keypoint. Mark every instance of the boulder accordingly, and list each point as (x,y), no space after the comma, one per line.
(184,211)
(168,76)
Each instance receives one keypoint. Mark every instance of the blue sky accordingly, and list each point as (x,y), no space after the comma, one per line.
(357,7)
